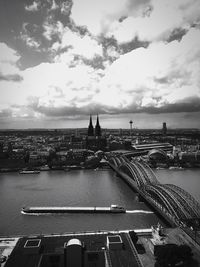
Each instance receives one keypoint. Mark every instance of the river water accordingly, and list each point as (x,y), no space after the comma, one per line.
(188,179)
(78,188)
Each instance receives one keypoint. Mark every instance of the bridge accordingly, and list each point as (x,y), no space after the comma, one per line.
(172,202)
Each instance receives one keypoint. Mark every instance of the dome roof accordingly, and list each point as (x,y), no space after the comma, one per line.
(157,153)
(74,241)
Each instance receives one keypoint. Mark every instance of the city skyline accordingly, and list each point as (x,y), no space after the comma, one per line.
(125,60)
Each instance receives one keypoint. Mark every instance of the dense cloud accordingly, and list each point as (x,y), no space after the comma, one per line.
(154,79)
(124,56)
(147,20)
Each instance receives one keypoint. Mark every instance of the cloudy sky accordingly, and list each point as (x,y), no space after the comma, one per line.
(123,59)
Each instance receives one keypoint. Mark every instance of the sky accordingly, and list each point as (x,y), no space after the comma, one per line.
(61,61)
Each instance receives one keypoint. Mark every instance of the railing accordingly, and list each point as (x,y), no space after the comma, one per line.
(134,251)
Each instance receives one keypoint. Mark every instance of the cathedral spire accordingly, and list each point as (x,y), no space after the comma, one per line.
(97,127)
(90,128)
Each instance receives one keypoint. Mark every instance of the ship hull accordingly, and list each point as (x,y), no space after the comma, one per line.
(29,172)
(64,210)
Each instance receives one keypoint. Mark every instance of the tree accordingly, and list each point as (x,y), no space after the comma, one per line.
(172,255)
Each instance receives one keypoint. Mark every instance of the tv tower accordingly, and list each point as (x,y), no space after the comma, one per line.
(131,123)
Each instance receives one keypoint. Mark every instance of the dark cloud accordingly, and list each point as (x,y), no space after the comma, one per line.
(68,111)
(82,30)
(182,76)
(121,19)
(11,78)
(135,4)
(190,104)
(111,42)
(5,113)
(134,44)
(177,34)
(95,63)
(108,42)
(62,111)
(162,80)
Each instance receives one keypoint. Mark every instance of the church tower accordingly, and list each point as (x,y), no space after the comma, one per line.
(97,128)
(90,128)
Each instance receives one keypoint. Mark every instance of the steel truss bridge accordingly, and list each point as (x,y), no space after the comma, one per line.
(170,200)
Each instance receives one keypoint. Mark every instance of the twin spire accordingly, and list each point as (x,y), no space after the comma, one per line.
(91,131)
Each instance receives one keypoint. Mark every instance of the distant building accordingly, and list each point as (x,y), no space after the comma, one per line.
(150,146)
(131,125)
(120,132)
(97,128)
(94,140)
(157,155)
(164,129)
(90,128)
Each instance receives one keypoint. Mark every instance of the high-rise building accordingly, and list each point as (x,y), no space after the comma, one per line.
(164,129)
(90,128)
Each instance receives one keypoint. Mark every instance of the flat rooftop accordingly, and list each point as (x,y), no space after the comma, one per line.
(48,250)
(42,251)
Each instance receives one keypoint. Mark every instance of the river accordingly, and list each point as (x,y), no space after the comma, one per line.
(188,179)
(78,188)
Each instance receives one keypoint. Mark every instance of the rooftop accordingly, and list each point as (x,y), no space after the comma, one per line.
(47,250)
(95,250)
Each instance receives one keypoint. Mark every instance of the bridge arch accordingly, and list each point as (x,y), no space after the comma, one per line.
(117,161)
(157,194)
(133,172)
(148,175)
(170,198)
(188,202)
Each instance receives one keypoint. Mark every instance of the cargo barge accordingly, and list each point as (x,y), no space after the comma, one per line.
(62,210)
(29,172)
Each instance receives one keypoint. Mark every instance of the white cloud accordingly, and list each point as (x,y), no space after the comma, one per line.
(66,7)
(10,77)
(54,5)
(101,13)
(165,16)
(158,75)
(126,19)
(76,44)
(52,28)
(30,41)
(112,52)
(34,7)
(8,60)
(61,86)
(8,54)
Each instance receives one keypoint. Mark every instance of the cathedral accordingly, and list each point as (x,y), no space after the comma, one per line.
(94,140)
(94,132)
